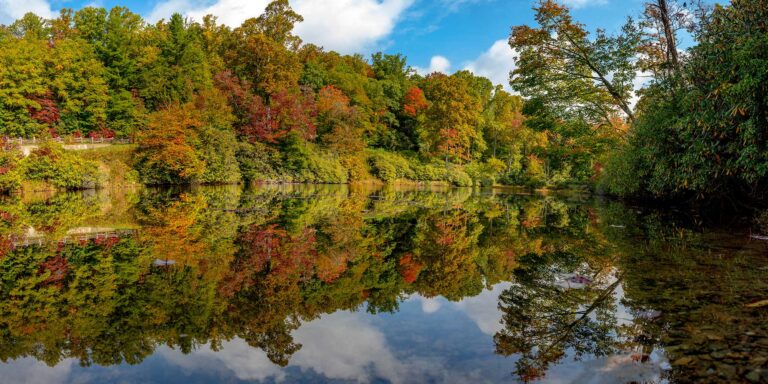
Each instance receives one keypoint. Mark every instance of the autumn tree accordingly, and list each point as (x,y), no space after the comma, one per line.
(258,50)
(504,121)
(703,135)
(214,38)
(451,127)
(662,20)
(414,102)
(30,26)
(218,142)
(166,153)
(337,122)
(560,64)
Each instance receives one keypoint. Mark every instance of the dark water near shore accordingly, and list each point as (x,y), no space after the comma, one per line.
(338,284)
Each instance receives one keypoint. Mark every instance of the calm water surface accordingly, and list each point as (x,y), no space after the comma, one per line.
(337,284)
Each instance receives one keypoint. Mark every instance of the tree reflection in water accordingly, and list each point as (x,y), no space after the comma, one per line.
(205,266)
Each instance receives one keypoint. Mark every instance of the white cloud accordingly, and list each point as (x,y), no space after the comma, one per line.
(642,79)
(483,309)
(28,370)
(454,5)
(437,64)
(244,361)
(611,369)
(344,346)
(339,346)
(496,63)
(430,305)
(347,26)
(11,10)
(583,3)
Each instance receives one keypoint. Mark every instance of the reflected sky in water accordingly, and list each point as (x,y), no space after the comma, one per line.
(331,284)
(428,340)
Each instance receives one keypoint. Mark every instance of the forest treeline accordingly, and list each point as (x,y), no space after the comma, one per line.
(206,103)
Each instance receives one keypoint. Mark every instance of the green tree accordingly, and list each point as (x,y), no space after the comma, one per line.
(277,23)
(22,81)
(705,135)
(559,64)
(180,69)
(78,82)
(30,26)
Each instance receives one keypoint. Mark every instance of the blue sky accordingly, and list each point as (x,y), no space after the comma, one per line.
(445,35)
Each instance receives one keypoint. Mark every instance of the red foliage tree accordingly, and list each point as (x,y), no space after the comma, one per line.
(409,268)
(415,102)
(103,133)
(268,122)
(58,268)
(264,244)
(295,112)
(332,102)
(48,113)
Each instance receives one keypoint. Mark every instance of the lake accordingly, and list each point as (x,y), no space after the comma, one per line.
(318,284)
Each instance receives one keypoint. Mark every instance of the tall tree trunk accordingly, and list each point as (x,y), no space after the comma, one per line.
(669,34)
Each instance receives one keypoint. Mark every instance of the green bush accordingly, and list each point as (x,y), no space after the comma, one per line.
(485,173)
(218,150)
(389,166)
(296,153)
(306,163)
(534,175)
(10,170)
(430,172)
(325,168)
(458,177)
(116,164)
(51,164)
(257,161)
(620,174)
(357,167)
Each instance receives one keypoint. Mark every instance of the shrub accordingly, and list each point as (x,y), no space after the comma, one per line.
(485,173)
(218,150)
(356,167)
(296,152)
(620,175)
(430,172)
(458,177)
(50,163)
(305,162)
(257,161)
(326,168)
(115,164)
(10,171)
(389,166)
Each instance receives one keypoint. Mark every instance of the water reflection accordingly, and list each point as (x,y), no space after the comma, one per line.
(322,283)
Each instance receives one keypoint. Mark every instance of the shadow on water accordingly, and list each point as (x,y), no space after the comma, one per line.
(159,284)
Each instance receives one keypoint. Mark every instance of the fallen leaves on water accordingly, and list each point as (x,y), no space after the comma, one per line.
(758,304)
(683,360)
